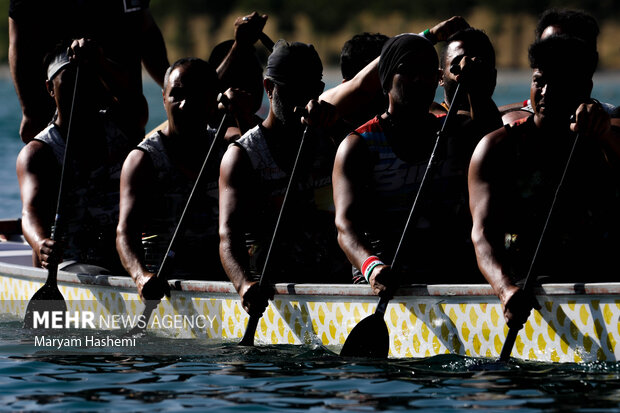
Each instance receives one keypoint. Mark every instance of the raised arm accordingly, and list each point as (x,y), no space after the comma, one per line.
(26,64)
(154,54)
(235,199)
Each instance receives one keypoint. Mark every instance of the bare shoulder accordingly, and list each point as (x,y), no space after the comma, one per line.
(488,151)
(235,167)
(138,169)
(352,144)
(36,156)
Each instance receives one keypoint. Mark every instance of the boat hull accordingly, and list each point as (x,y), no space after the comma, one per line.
(576,322)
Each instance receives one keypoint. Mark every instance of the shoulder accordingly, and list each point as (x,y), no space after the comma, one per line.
(352,150)
(138,163)
(35,154)
(490,151)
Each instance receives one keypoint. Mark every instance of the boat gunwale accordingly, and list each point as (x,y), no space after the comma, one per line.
(126,284)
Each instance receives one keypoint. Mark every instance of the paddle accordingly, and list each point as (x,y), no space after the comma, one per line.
(250,331)
(49,298)
(266,41)
(511,337)
(370,337)
(167,263)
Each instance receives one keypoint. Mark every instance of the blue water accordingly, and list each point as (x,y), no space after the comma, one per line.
(216,376)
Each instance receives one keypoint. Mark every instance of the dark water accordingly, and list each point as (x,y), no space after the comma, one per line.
(225,377)
(206,376)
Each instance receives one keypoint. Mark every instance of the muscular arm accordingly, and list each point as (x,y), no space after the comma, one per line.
(488,231)
(38,175)
(234,192)
(351,96)
(136,181)
(25,62)
(154,54)
(350,179)
(349,182)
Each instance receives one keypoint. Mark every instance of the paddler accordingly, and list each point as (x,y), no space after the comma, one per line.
(158,177)
(254,175)
(379,167)
(575,23)
(104,122)
(515,172)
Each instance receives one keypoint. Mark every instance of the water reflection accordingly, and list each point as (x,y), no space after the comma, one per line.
(220,376)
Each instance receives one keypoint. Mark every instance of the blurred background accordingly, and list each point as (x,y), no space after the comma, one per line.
(193,27)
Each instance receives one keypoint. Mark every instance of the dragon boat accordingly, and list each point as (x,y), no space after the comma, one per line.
(576,322)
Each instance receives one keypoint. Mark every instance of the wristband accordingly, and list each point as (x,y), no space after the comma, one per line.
(429,36)
(369,264)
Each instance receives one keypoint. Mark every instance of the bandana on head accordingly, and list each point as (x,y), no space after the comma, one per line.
(296,63)
(397,50)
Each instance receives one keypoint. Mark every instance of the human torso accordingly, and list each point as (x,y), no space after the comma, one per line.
(305,232)
(439,231)
(196,250)
(583,229)
(89,212)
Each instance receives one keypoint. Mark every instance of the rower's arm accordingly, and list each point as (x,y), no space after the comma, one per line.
(484,113)
(25,60)
(235,201)
(351,96)
(38,173)
(485,205)
(350,182)
(136,181)
(154,54)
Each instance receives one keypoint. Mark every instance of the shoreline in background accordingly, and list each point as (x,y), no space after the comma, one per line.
(503,75)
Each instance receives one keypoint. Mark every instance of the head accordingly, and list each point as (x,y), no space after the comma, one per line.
(293,78)
(408,71)
(573,23)
(246,75)
(190,95)
(61,73)
(472,43)
(359,51)
(562,77)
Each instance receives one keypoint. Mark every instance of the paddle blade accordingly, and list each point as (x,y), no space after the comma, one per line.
(47,299)
(369,338)
(250,331)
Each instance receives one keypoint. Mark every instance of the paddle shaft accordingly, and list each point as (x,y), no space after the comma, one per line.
(250,331)
(511,337)
(370,338)
(167,263)
(427,172)
(266,41)
(52,269)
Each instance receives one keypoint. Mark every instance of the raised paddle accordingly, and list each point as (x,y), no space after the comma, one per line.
(250,330)
(167,262)
(49,298)
(266,41)
(370,337)
(514,330)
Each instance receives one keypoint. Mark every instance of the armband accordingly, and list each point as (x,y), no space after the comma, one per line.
(369,264)
(429,36)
